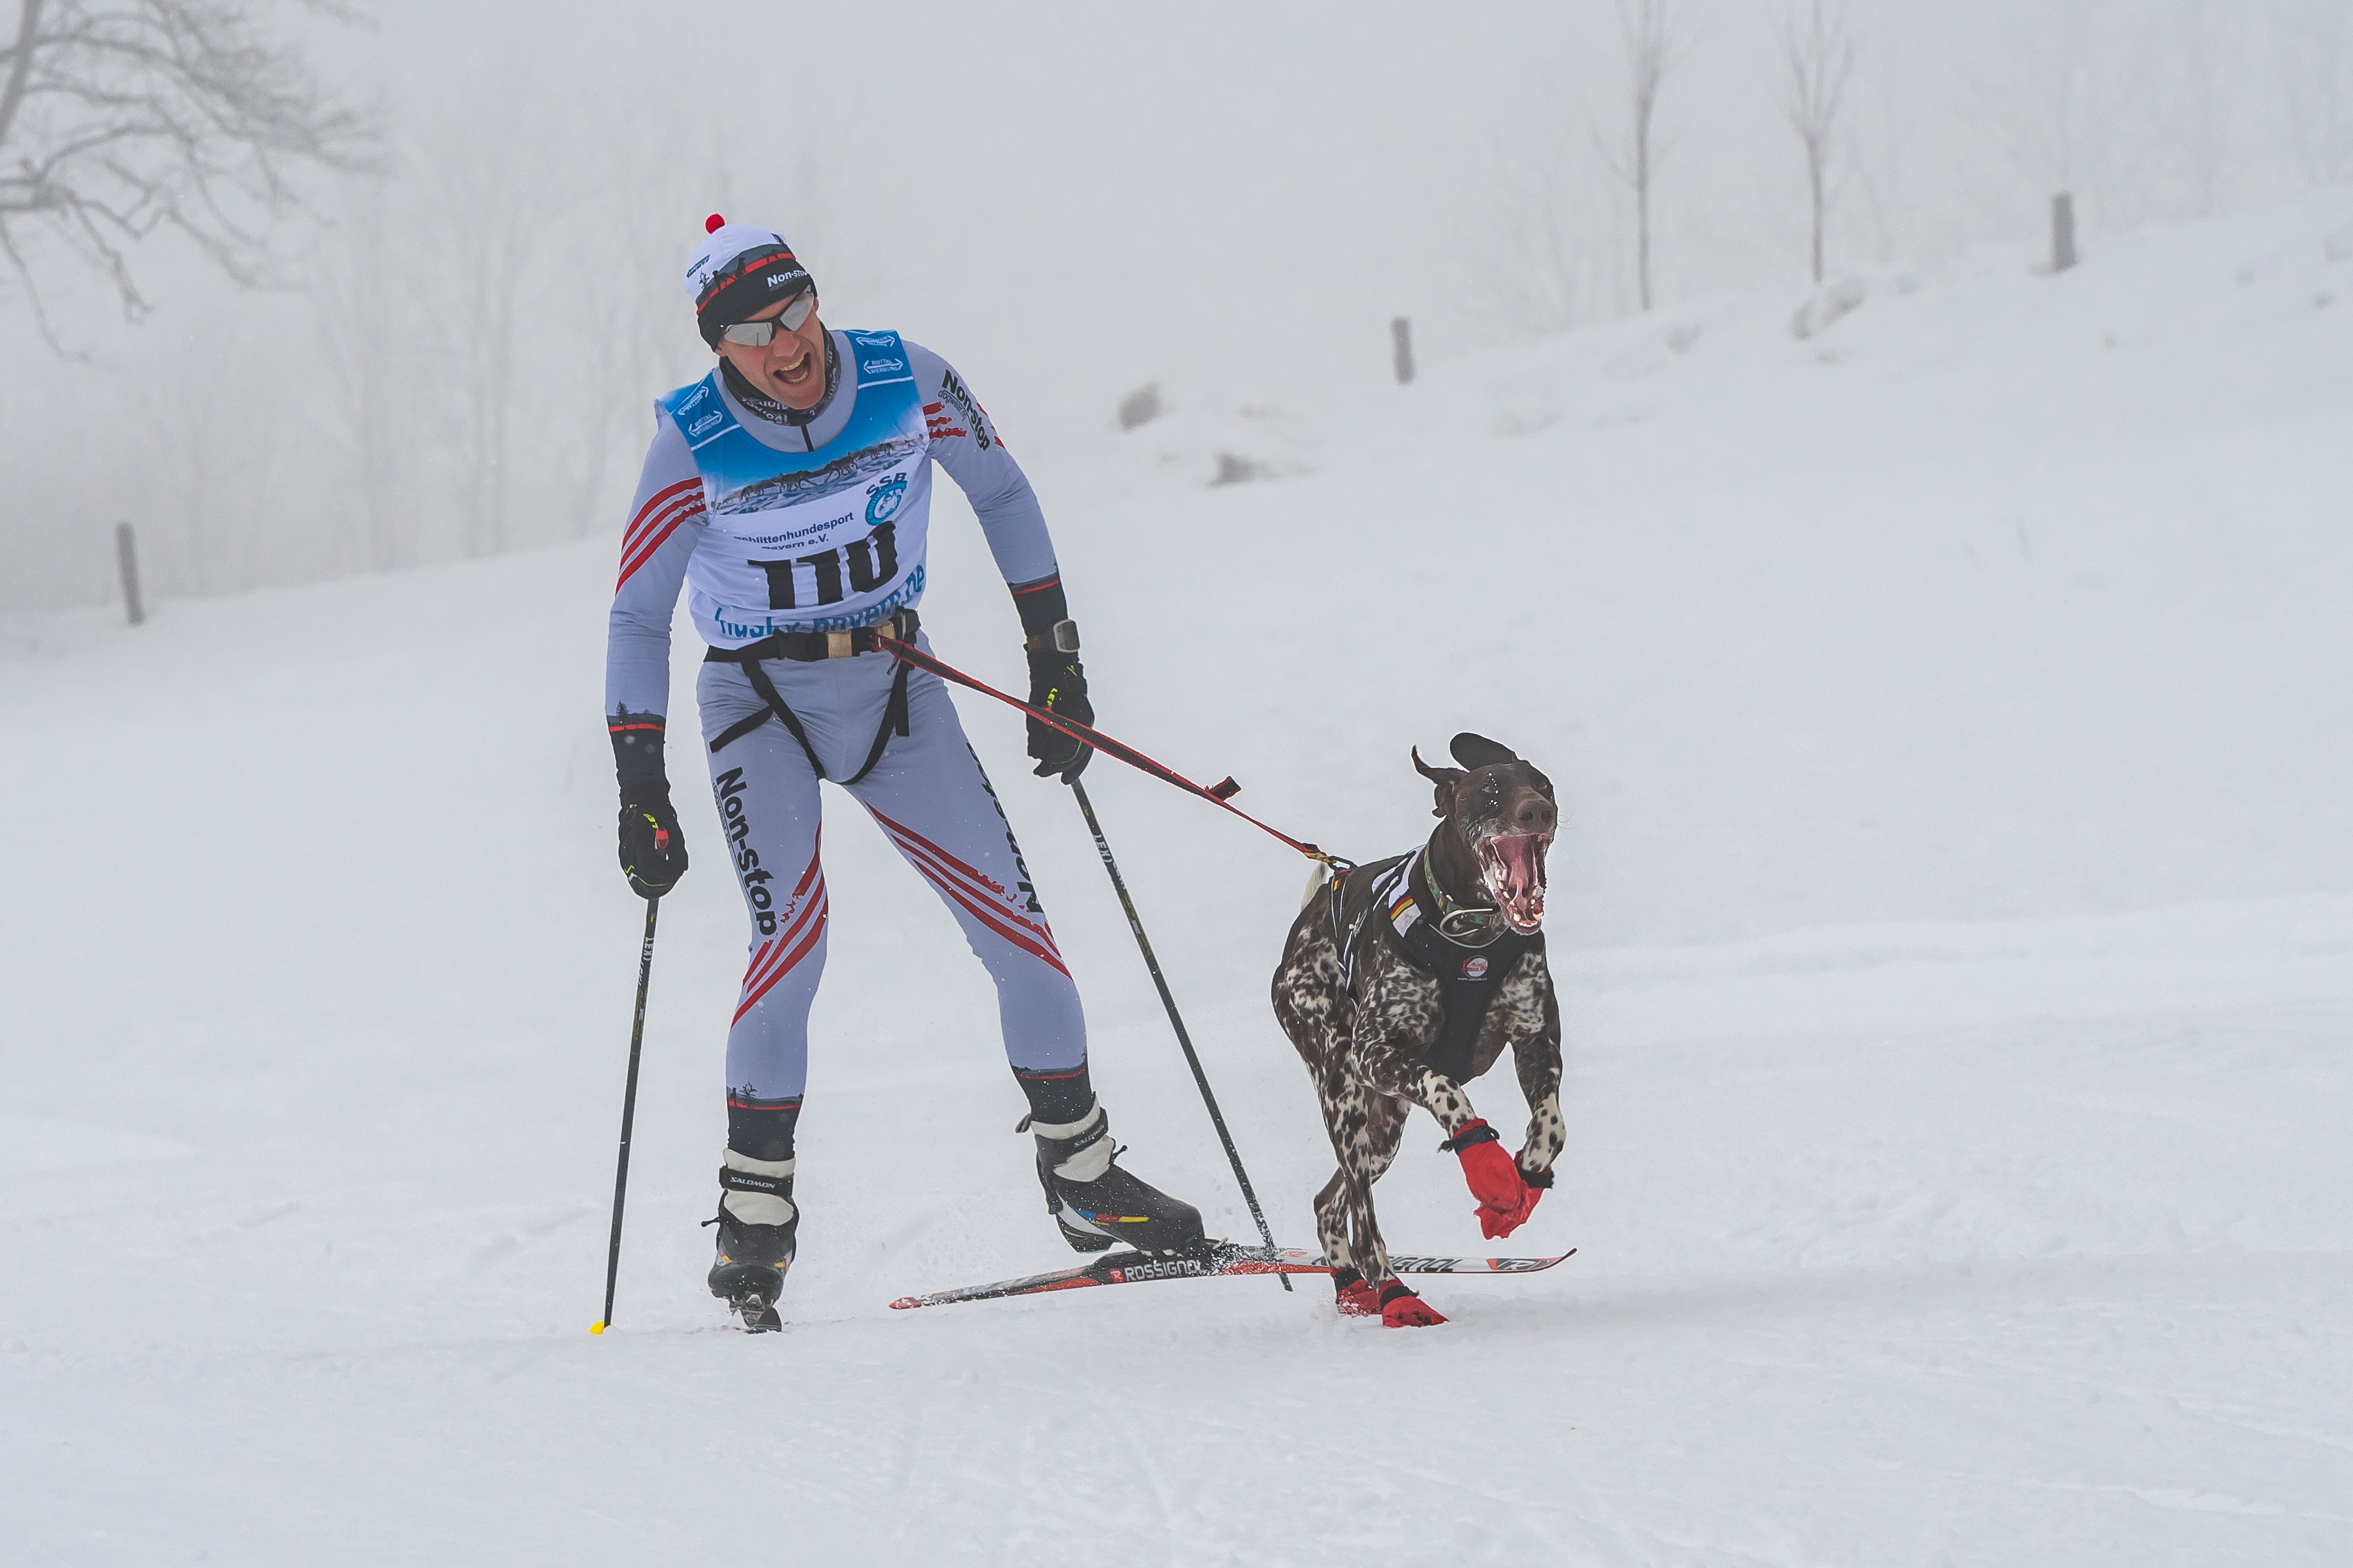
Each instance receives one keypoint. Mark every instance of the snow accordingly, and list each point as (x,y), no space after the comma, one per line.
(1954,919)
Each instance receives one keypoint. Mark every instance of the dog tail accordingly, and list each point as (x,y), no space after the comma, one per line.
(1315,880)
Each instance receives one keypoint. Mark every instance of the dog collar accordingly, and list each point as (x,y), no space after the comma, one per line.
(1470,918)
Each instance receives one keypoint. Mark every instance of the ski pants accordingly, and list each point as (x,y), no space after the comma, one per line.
(930,797)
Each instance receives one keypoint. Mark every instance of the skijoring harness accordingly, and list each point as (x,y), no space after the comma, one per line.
(808,647)
(1466,967)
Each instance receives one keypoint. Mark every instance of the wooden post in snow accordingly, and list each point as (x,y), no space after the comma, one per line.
(2063,232)
(126,557)
(1402,341)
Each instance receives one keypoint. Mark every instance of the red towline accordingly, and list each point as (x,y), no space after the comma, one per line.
(1220,794)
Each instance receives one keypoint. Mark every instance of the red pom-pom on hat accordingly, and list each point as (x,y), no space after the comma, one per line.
(713,223)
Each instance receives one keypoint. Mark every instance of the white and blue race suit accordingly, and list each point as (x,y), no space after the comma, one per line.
(822,525)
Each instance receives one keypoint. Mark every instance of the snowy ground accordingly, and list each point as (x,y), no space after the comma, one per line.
(1955,920)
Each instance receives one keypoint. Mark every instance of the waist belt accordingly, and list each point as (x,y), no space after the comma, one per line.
(808,647)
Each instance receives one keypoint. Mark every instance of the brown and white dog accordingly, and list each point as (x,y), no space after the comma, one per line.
(1405,979)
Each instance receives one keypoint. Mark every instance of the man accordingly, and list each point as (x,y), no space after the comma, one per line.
(790,491)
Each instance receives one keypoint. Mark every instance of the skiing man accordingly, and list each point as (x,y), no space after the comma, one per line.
(790,490)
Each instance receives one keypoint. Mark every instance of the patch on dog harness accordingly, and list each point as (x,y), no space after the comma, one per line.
(1388,895)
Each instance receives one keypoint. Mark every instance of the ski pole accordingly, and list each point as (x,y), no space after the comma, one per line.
(628,1116)
(1135,924)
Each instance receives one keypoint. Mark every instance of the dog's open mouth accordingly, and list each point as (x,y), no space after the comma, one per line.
(1514,866)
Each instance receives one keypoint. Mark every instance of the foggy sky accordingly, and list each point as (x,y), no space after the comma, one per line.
(1067,199)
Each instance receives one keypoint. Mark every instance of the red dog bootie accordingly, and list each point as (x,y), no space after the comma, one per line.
(1402,1309)
(1505,1199)
(1352,1296)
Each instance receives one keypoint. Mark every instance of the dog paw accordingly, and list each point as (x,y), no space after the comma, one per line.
(1495,1224)
(1402,1309)
(1354,1299)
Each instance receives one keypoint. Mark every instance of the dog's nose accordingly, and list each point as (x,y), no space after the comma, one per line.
(1535,815)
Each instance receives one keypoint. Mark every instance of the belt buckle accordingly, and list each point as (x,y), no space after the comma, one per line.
(838,644)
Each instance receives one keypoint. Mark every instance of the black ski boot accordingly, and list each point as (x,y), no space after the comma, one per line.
(756,1225)
(1095,1203)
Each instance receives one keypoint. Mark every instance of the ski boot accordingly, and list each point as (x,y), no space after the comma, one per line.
(1097,1204)
(756,1223)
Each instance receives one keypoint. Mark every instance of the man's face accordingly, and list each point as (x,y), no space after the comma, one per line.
(790,367)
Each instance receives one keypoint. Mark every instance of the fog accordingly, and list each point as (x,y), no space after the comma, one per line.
(456,357)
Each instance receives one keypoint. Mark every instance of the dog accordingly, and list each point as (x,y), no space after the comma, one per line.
(1405,979)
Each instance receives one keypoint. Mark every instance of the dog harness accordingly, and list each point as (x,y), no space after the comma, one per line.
(1466,972)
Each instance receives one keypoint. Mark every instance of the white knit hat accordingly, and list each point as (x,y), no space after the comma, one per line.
(738,271)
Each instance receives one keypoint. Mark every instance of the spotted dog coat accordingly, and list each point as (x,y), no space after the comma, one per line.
(1365,1021)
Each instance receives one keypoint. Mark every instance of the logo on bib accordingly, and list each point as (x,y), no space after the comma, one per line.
(1474,969)
(705,423)
(877,366)
(882,501)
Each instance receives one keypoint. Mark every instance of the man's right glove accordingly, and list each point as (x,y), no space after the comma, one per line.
(653,852)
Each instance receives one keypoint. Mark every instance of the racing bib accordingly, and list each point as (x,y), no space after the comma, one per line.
(809,542)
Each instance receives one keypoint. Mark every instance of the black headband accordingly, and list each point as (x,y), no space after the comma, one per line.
(746,286)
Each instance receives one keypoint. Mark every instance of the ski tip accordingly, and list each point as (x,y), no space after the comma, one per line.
(904,1302)
(596,1328)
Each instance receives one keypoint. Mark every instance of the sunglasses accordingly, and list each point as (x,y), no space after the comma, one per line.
(759,334)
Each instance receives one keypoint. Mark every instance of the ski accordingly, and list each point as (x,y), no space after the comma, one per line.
(1215,1259)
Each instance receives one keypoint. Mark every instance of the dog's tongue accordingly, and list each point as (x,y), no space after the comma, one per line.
(1521,895)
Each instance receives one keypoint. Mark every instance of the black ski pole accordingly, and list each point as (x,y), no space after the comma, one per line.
(628,1116)
(1135,924)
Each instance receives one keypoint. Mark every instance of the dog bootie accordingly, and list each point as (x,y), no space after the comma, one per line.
(757,1222)
(1402,1309)
(1506,1198)
(1353,1297)
(1094,1203)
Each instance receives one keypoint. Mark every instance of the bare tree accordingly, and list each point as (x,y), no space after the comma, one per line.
(1536,269)
(1657,37)
(117,119)
(1817,46)
(2315,69)
(2198,103)
(494,221)
(367,325)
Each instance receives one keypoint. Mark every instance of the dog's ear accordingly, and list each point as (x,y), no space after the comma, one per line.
(1477,750)
(1444,778)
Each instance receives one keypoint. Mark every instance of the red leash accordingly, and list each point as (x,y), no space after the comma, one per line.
(1220,794)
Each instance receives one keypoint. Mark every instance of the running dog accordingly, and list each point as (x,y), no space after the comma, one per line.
(1401,981)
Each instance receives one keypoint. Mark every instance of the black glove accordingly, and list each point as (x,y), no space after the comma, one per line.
(653,852)
(1056,681)
(1058,684)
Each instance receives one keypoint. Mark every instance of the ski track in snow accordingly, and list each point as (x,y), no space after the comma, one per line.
(1953,914)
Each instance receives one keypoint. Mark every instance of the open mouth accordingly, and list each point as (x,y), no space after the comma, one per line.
(798,372)
(1514,868)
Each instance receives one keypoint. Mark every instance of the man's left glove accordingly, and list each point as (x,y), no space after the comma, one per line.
(1058,684)
(653,852)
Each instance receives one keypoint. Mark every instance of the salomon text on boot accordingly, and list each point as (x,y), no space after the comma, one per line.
(1094,1201)
(756,1223)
